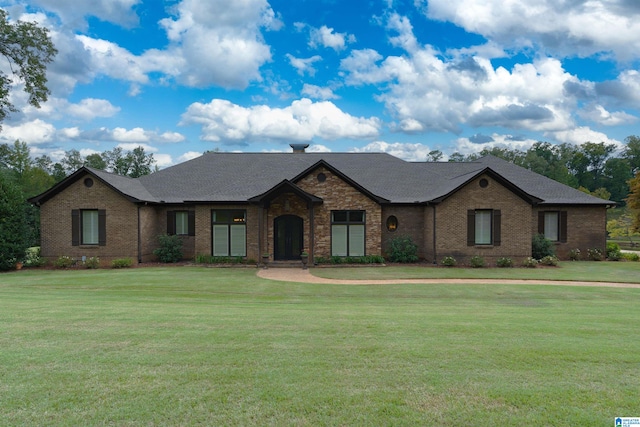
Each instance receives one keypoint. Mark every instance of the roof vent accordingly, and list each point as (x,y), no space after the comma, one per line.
(299,148)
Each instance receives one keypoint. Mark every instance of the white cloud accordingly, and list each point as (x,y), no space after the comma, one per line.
(303,120)
(162,160)
(90,108)
(467,146)
(304,65)
(326,37)
(583,134)
(411,152)
(130,146)
(598,114)
(561,27)
(317,92)
(189,155)
(32,132)
(73,12)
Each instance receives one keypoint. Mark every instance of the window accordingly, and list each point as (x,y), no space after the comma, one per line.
(182,223)
(483,227)
(229,232)
(553,225)
(347,233)
(88,227)
(392,223)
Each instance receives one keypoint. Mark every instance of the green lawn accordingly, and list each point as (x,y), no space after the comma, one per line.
(604,271)
(190,345)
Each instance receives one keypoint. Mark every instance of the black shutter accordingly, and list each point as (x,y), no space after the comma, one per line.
(540,222)
(563,226)
(171,223)
(471,227)
(497,227)
(191,220)
(75,227)
(102,227)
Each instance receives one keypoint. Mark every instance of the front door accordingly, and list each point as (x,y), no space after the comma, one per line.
(287,237)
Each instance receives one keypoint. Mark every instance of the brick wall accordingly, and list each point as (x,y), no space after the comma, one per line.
(202,240)
(411,223)
(586,228)
(121,223)
(451,223)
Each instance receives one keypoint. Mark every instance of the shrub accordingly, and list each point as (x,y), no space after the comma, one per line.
(550,260)
(92,262)
(575,254)
(64,262)
(541,247)
(530,262)
(613,251)
(449,261)
(403,250)
(170,248)
(631,256)
(122,263)
(210,259)
(594,254)
(14,229)
(504,262)
(477,261)
(33,258)
(367,259)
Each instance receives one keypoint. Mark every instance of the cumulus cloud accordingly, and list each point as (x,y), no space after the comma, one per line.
(478,143)
(303,120)
(304,65)
(135,136)
(560,27)
(326,37)
(411,152)
(598,114)
(73,13)
(582,134)
(32,132)
(189,155)
(317,92)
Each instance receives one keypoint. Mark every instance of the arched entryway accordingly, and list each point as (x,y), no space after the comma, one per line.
(288,237)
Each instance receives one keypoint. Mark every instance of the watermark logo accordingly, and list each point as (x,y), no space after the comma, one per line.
(627,421)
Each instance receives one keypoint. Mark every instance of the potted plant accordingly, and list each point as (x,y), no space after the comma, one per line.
(304,256)
(265,259)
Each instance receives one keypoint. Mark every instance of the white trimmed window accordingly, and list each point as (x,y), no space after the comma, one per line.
(229,232)
(348,233)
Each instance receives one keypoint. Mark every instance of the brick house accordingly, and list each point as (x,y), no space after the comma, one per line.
(328,204)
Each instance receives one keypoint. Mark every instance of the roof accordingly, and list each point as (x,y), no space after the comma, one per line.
(243,177)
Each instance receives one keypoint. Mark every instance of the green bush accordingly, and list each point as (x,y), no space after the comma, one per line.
(542,247)
(449,261)
(613,251)
(550,260)
(631,256)
(170,248)
(594,254)
(64,262)
(92,262)
(15,232)
(530,262)
(477,261)
(575,254)
(403,250)
(504,262)
(33,258)
(122,263)
(210,259)
(367,259)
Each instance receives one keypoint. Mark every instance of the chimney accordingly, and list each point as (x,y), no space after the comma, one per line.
(298,148)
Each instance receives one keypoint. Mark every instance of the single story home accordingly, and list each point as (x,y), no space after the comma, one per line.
(326,204)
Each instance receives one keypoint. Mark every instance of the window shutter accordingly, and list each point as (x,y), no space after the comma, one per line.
(541,222)
(171,223)
(192,223)
(471,227)
(75,227)
(497,225)
(563,226)
(102,227)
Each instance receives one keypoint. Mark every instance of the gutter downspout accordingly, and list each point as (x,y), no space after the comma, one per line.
(139,238)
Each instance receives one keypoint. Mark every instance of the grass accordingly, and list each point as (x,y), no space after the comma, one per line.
(191,345)
(603,271)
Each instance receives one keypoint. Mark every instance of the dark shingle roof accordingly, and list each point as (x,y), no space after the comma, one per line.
(238,177)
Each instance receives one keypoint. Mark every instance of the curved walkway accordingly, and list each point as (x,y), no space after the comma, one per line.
(304,276)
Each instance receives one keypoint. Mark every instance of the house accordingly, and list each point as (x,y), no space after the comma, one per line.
(328,204)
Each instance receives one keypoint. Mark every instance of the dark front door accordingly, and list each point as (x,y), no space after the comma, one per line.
(288,237)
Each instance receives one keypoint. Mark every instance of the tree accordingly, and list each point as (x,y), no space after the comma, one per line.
(632,152)
(72,160)
(28,49)
(14,230)
(434,156)
(95,161)
(633,201)
(139,162)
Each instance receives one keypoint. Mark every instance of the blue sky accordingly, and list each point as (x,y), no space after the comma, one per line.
(180,77)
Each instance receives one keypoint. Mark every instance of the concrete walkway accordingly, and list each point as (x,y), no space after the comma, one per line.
(304,276)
